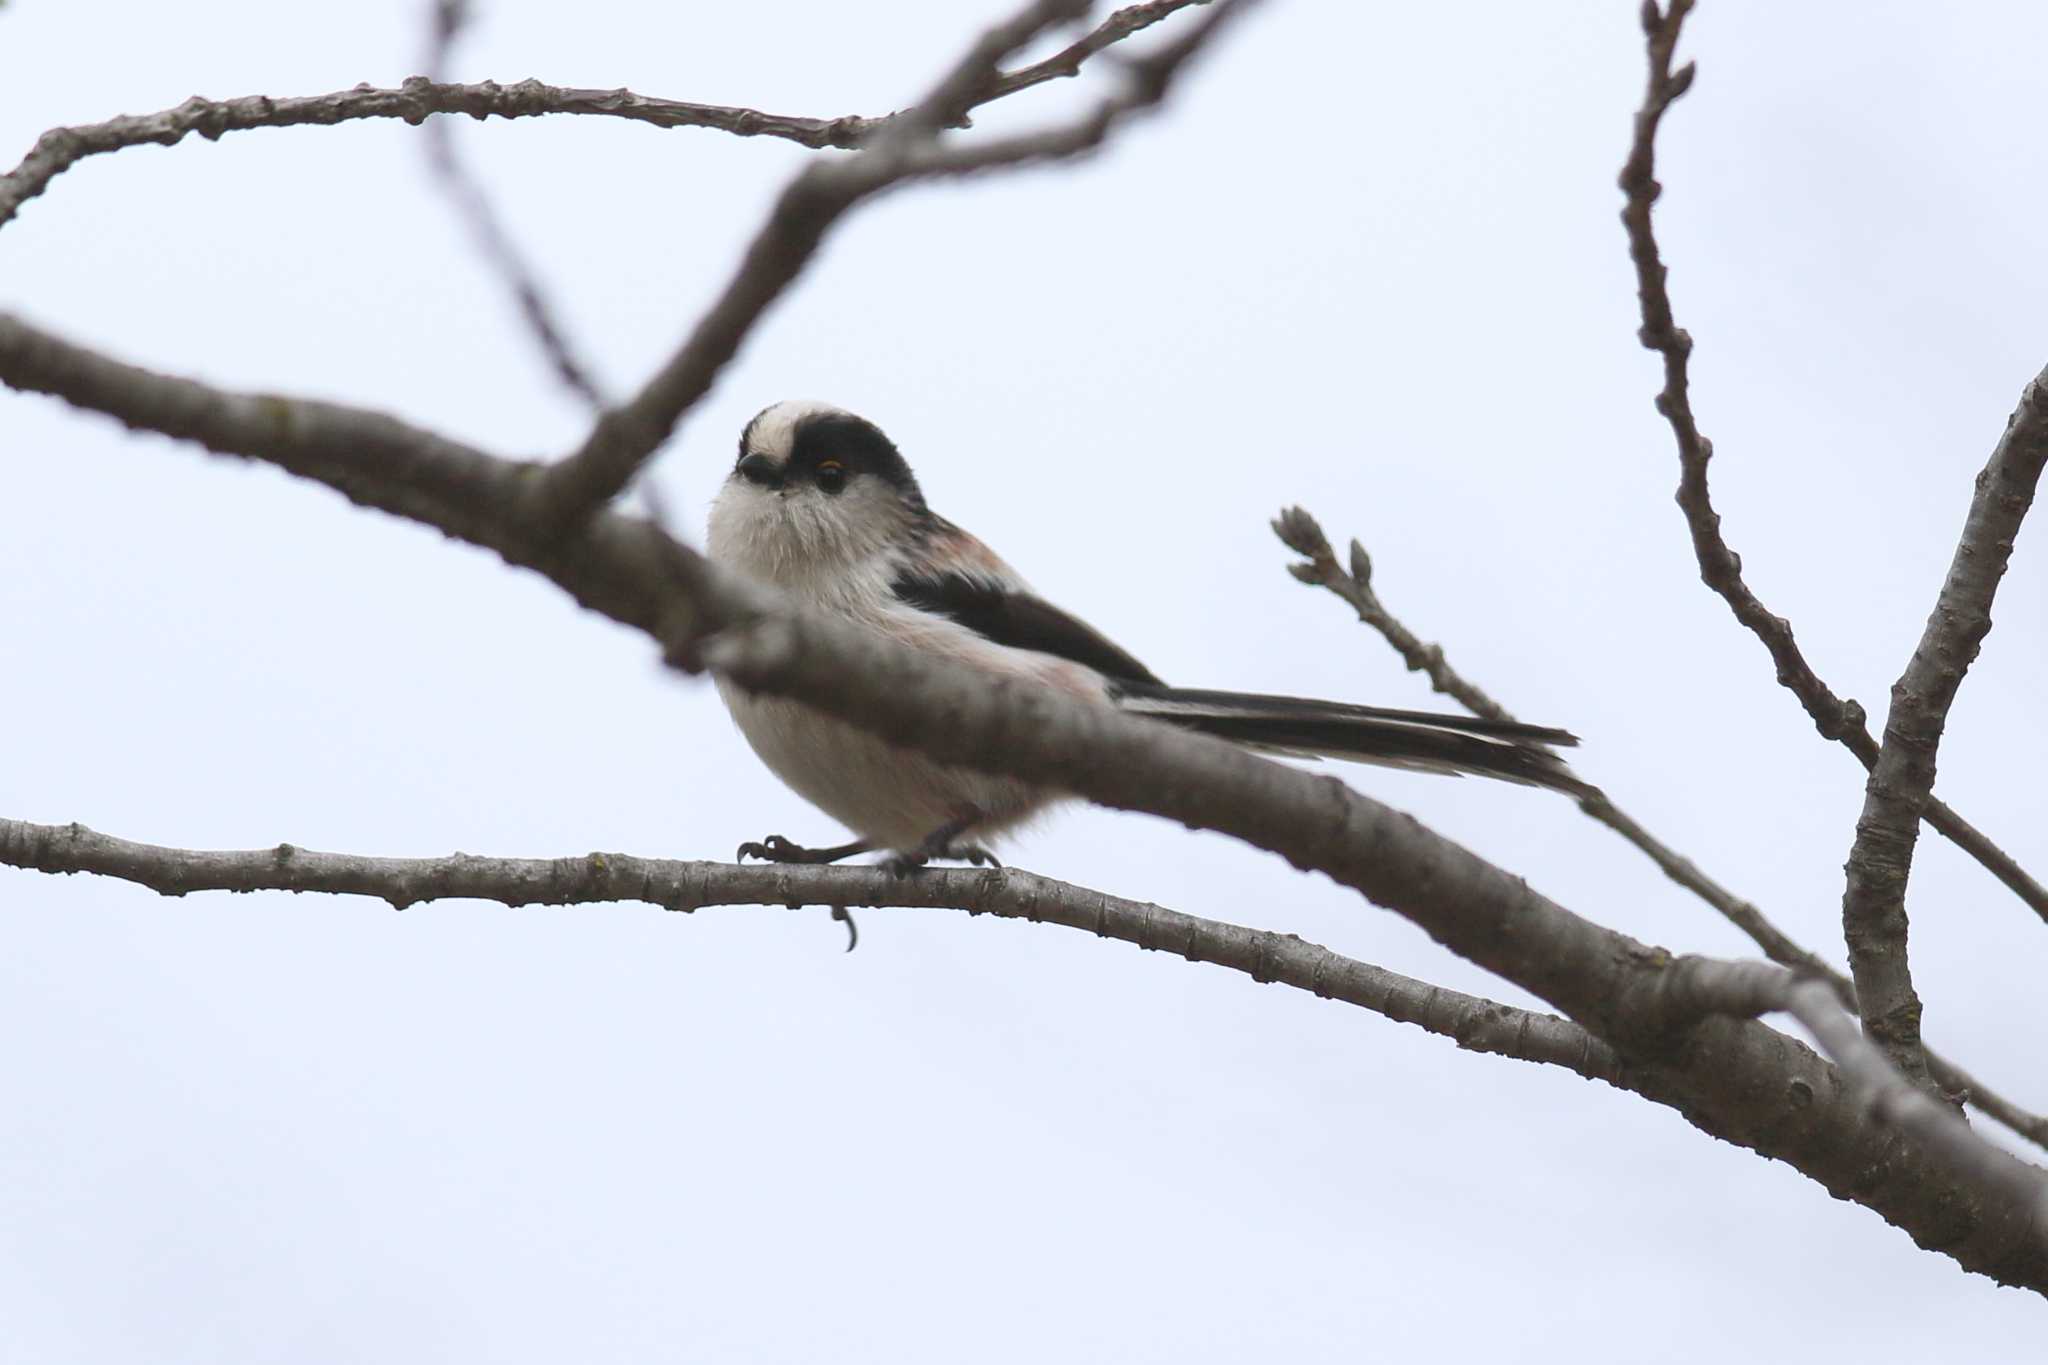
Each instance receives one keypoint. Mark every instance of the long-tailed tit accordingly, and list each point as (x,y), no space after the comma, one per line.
(822,506)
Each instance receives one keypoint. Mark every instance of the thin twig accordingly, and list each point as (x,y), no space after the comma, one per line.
(1474,1023)
(1874,920)
(1300,532)
(813,203)
(1989,855)
(59,149)
(1069,60)
(473,205)
(1720,567)
(1304,535)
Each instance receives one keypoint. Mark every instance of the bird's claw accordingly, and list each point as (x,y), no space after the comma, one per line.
(905,863)
(776,849)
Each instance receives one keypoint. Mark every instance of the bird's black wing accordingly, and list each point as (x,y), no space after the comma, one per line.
(1009,616)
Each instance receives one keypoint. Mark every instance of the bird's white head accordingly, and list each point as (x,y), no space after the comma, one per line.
(817,493)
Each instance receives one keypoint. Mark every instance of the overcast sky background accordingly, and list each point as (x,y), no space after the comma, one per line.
(1368,261)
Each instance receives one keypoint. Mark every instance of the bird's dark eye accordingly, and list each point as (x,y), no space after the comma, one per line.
(831,476)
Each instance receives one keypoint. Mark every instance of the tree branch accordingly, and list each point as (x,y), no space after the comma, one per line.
(493,241)
(1474,1023)
(1874,922)
(1696,985)
(1300,532)
(1720,567)
(1069,60)
(1735,1079)
(813,203)
(1304,535)
(1680,995)
(59,149)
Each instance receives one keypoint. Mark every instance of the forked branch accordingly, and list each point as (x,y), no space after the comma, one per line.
(1720,567)
(1874,921)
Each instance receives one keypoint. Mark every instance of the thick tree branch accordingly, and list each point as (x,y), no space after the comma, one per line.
(1303,534)
(1874,922)
(59,149)
(1720,567)
(1696,985)
(814,202)
(1735,1079)
(1474,1023)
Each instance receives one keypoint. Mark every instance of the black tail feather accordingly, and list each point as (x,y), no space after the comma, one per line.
(1507,750)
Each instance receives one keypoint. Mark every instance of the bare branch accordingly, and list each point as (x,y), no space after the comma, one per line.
(492,240)
(1720,567)
(1069,60)
(59,149)
(1301,533)
(1989,855)
(1737,1080)
(812,204)
(1474,1023)
(1874,922)
(1686,990)
(1696,985)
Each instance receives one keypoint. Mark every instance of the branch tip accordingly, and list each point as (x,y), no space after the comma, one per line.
(1300,532)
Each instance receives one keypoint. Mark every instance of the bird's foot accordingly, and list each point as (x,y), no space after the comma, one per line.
(973,854)
(905,863)
(776,849)
(942,843)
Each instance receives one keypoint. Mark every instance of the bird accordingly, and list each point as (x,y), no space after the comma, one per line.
(821,505)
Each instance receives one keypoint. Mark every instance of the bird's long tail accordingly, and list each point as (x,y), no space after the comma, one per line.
(1507,750)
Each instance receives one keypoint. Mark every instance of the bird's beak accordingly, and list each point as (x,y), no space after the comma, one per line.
(760,470)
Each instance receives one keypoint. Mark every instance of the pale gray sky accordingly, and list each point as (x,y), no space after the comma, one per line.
(1368,261)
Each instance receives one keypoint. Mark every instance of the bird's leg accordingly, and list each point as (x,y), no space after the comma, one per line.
(940,844)
(776,849)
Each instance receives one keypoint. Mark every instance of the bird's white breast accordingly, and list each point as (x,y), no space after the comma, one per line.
(842,560)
